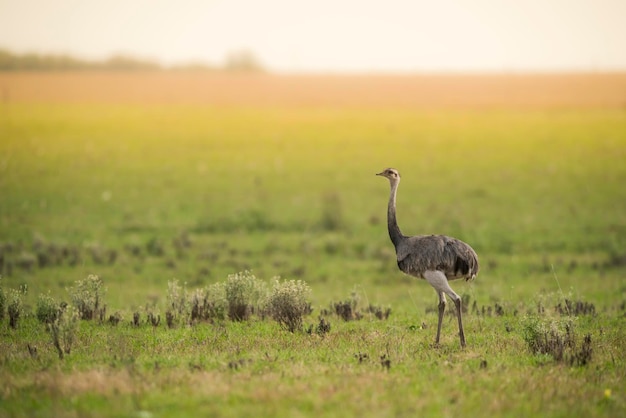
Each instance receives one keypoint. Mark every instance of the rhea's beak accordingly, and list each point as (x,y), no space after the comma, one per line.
(380,174)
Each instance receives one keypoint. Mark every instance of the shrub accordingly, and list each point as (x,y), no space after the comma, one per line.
(136,319)
(347,309)
(115,318)
(379,312)
(47,309)
(177,304)
(351,309)
(14,307)
(288,303)
(64,328)
(154,319)
(575,308)
(209,303)
(176,298)
(557,339)
(3,302)
(244,294)
(87,296)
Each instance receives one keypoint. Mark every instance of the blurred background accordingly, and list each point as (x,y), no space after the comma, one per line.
(324,36)
(150,140)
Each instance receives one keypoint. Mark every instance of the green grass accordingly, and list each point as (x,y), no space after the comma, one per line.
(143,195)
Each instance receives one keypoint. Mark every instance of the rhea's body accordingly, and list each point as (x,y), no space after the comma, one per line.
(435,258)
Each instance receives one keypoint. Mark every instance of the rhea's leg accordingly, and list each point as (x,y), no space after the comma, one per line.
(442,309)
(458,304)
(438,280)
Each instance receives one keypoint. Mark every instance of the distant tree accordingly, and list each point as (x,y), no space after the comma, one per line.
(126,62)
(35,62)
(16,62)
(244,61)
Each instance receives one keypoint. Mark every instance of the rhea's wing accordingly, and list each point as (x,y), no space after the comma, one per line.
(437,252)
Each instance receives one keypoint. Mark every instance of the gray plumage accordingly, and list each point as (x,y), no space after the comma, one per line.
(435,258)
(453,257)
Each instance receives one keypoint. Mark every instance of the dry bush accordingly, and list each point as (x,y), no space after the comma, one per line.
(557,339)
(177,303)
(288,303)
(47,309)
(322,328)
(87,296)
(244,294)
(350,309)
(15,307)
(3,302)
(209,304)
(63,330)
(575,308)
(347,309)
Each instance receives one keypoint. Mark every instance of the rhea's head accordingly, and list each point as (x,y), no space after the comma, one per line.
(391,173)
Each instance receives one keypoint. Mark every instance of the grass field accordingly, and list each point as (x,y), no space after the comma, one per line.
(146,178)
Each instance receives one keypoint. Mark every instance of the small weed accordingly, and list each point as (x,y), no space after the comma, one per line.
(115,318)
(208,304)
(153,319)
(347,309)
(169,319)
(155,248)
(575,308)
(323,327)
(136,319)
(176,299)
(239,363)
(379,312)
(32,351)
(362,357)
(497,309)
(385,362)
(583,356)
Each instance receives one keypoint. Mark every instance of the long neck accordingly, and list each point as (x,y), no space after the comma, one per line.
(394,230)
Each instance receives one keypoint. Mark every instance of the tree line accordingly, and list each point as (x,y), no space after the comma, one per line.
(9,61)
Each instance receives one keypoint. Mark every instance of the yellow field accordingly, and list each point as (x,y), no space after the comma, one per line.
(223,89)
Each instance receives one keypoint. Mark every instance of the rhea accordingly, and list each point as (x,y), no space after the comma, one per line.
(434,258)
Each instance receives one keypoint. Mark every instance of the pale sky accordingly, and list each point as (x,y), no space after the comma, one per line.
(330,35)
